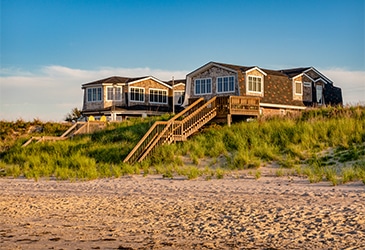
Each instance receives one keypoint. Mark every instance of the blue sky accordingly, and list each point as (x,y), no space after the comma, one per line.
(49,48)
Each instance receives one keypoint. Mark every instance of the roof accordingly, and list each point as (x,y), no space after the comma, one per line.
(114,79)
(294,72)
(176,82)
(247,68)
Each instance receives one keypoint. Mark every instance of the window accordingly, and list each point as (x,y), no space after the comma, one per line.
(158,96)
(225,84)
(255,84)
(319,90)
(110,93)
(307,84)
(298,88)
(203,86)
(94,94)
(178,97)
(136,94)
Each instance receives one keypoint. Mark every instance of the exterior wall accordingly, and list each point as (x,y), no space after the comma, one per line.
(307,90)
(333,95)
(277,111)
(298,97)
(213,73)
(92,105)
(147,85)
(312,74)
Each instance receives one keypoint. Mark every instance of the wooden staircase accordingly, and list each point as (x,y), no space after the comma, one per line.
(76,129)
(178,128)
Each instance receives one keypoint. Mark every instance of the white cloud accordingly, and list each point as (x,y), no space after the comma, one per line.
(51,93)
(352,84)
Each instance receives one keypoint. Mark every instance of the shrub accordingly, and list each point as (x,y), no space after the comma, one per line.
(219,173)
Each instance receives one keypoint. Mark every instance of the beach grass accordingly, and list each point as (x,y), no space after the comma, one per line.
(324,144)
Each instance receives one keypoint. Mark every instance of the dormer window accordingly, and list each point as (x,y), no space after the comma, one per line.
(255,84)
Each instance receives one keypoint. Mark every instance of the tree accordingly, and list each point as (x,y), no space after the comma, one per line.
(74,115)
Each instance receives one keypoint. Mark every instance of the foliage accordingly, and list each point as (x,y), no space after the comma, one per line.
(290,141)
(74,115)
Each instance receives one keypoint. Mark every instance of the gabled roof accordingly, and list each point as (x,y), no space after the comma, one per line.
(177,82)
(294,72)
(298,71)
(136,80)
(238,68)
(125,80)
(113,79)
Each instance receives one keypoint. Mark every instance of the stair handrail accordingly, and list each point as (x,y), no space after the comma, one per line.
(194,114)
(70,129)
(170,127)
(138,146)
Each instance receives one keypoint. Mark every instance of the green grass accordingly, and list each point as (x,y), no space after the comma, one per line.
(293,142)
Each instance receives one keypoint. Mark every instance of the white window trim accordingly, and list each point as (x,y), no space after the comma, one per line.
(320,97)
(96,100)
(229,91)
(181,92)
(295,88)
(307,84)
(163,90)
(129,94)
(110,87)
(206,93)
(262,85)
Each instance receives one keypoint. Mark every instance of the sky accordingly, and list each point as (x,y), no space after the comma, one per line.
(49,48)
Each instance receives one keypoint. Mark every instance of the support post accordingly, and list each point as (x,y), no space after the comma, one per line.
(229,120)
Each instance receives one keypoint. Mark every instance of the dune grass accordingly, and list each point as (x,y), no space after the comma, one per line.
(324,144)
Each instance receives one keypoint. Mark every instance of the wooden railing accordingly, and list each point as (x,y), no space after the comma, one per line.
(244,105)
(177,128)
(189,121)
(76,129)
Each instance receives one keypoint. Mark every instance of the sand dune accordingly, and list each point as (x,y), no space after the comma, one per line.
(154,213)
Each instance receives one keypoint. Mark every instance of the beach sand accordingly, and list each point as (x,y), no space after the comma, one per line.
(138,212)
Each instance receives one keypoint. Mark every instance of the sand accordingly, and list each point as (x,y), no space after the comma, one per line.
(138,212)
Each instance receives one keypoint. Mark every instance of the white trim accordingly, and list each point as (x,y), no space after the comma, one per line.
(96,99)
(177,84)
(320,79)
(307,84)
(229,91)
(151,78)
(301,88)
(320,74)
(163,90)
(209,65)
(182,92)
(269,105)
(254,92)
(114,92)
(211,86)
(256,68)
(129,94)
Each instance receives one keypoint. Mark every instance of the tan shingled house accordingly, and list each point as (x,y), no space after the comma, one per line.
(120,97)
(280,91)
